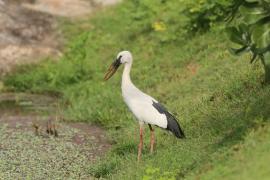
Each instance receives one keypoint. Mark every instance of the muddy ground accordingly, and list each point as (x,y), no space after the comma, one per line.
(26,36)
(28,28)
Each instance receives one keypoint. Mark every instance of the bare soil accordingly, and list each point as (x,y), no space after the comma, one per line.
(26,36)
(28,28)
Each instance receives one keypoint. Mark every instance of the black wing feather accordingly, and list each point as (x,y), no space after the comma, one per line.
(172,125)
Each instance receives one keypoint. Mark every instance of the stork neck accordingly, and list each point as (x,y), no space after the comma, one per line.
(126,74)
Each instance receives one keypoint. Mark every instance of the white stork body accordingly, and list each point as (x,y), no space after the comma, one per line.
(145,108)
(140,104)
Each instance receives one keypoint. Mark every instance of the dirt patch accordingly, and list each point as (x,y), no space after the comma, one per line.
(26,36)
(95,133)
(28,28)
(192,68)
(68,8)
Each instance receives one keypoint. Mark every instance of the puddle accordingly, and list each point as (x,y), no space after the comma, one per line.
(25,104)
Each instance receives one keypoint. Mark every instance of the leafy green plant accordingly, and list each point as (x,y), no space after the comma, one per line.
(160,20)
(155,173)
(251,30)
(249,25)
(203,13)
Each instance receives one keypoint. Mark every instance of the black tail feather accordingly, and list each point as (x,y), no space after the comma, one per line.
(174,127)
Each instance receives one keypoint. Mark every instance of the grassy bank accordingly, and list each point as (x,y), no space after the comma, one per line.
(218,98)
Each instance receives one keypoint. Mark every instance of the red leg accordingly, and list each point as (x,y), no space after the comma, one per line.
(152,140)
(141,143)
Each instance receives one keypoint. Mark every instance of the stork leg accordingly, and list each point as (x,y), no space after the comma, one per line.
(152,140)
(141,143)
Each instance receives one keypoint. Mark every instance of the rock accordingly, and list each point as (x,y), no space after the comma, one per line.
(28,29)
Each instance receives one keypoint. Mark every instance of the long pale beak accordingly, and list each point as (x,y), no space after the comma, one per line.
(112,69)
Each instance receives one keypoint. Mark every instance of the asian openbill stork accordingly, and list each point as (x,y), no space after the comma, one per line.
(145,108)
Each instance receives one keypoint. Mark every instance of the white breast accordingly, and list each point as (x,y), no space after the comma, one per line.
(141,106)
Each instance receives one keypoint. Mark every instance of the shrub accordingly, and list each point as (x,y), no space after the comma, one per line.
(251,31)
(203,13)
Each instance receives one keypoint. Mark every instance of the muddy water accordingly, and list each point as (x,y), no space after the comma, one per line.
(23,104)
(26,109)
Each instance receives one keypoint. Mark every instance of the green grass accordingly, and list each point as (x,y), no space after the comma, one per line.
(217,97)
(246,160)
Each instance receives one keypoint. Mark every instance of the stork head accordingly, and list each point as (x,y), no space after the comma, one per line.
(122,58)
(125,57)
